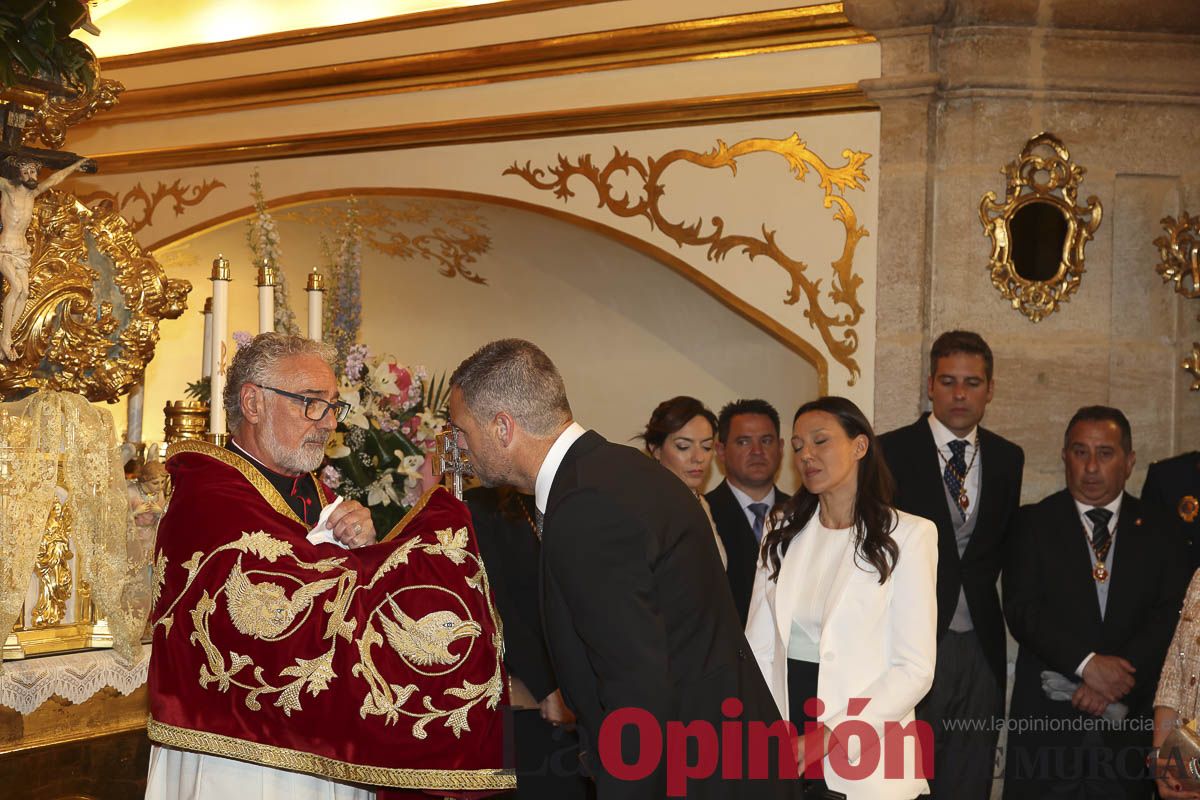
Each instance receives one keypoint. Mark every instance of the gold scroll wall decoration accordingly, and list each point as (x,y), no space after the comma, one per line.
(183,195)
(449,234)
(1038,233)
(1192,364)
(95,301)
(836,325)
(1179,254)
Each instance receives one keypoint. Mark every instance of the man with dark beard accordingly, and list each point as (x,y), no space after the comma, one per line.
(19,188)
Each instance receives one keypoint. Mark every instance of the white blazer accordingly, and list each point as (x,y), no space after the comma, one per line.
(878,642)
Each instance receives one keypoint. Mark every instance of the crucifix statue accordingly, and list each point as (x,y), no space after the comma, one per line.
(451,459)
(19,188)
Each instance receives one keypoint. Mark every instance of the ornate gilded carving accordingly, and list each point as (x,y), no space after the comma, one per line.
(1038,233)
(53,569)
(451,235)
(835,328)
(182,194)
(1192,364)
(51,119)
(95,301)
(1179,254)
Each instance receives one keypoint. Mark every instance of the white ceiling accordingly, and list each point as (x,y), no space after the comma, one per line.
(136,26)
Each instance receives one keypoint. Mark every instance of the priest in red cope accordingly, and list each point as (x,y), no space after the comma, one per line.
(293,656)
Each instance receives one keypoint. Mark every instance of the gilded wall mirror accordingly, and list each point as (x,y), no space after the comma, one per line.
(1038,233)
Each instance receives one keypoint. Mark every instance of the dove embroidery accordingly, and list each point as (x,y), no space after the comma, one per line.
(426,641)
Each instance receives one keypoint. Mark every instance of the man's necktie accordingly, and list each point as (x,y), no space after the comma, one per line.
(759,510)
(538,517)
(955,474)
(1101,537)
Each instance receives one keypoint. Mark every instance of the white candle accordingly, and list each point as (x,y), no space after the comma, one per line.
(315,289)
(266,300)
(220,330)
(206,360)
(133,426)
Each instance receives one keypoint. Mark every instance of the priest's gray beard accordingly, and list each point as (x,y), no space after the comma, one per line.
(295,462)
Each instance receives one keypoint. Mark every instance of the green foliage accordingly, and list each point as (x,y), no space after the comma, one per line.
(39,49)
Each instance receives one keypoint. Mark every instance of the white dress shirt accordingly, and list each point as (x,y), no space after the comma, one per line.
(1081,509)
(942,436)
(553,460)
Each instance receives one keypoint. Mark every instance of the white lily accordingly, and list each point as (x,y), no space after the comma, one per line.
(336,448)
(382,492)
(357,417)
(383,380)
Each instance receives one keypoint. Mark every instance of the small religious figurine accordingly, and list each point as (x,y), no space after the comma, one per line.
(147,502)
(19,188)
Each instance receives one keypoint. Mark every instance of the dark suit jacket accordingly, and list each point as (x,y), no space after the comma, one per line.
(741,548)
(1052,609)
(638,613)
(1168,482)
(511,551)
(912,457)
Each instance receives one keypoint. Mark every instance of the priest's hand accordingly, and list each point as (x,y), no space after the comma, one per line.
(351,524)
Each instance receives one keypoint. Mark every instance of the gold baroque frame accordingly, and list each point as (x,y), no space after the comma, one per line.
(1046,155)
(1179,254)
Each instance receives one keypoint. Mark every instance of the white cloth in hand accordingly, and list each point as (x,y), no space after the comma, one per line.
(321,533)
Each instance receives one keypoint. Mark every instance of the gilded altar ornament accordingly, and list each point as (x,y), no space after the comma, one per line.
(95,301)
(185,419)
(56,113)
(836,326)
(1179,254)
(1039,232)
(53,569)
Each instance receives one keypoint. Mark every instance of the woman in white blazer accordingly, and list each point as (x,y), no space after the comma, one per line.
(844,609)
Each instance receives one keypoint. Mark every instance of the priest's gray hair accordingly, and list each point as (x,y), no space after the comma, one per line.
(514,376)
(258,362)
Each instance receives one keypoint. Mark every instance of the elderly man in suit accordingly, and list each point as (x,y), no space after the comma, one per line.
(950,469)
(1092,591)
(749,448)
(636,610)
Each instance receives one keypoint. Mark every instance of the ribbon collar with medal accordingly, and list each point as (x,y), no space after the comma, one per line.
(964,501)
(1100,572)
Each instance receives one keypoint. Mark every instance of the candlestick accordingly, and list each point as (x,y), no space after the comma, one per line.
(220,330)
(206,359)
(266,299)
(133,424)
(315,289)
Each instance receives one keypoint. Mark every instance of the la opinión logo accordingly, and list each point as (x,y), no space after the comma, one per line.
(743,750)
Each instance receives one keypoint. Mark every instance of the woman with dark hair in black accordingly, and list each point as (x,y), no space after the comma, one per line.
(680,436)
(845,607)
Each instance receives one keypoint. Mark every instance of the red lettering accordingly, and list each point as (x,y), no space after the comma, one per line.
(678,768)
(650,744)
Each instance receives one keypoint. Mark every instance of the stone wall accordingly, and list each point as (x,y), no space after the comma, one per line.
(964,85)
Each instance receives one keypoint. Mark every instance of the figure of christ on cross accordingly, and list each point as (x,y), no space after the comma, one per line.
(19,189)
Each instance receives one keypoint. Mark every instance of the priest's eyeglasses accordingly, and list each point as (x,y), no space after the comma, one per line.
(315,408)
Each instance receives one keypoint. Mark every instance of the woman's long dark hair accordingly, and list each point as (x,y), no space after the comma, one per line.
(874,518)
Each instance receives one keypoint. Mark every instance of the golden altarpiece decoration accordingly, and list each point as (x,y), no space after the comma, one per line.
(71,575)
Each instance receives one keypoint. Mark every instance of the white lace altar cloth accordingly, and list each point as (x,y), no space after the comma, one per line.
(25,685)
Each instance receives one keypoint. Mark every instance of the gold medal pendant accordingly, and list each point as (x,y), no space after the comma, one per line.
(1100,572)
(963,500)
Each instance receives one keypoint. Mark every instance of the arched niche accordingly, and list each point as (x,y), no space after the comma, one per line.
(625,331)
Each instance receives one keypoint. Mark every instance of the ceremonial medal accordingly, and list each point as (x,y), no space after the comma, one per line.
(963,500)
(1100,572)
(1188,508)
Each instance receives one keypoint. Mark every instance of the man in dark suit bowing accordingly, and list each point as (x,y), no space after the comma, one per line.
(951,470)
(749,448)
(636,610)
(1092,591)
